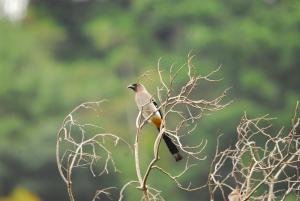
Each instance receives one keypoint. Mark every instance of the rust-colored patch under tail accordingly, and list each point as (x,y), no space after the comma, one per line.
(156,121)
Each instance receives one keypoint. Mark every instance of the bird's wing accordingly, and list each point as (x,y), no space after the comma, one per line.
(156,106)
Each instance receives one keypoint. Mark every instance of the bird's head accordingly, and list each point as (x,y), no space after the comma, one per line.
(136,87)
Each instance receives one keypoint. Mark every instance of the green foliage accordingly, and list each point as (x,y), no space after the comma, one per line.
(68,52)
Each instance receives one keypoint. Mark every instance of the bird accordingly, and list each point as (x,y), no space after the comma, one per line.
(150,110)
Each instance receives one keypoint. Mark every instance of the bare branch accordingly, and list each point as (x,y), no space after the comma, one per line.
(84,150)
(265,166)
(79,146)
(180,102)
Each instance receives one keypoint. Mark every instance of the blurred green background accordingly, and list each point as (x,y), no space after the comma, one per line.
(61,53)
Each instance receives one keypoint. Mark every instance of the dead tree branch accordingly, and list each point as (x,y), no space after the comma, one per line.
(77,148)
(179,102)
(264,165)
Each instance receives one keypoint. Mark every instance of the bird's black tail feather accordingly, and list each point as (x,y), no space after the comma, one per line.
(172,147)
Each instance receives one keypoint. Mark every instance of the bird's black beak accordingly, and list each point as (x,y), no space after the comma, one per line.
(131,86)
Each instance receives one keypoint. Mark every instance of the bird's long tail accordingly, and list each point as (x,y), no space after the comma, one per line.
(170,144)
(172,147)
